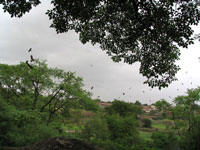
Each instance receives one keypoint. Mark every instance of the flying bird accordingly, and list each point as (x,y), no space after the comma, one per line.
(123,93)
(31,67)
(92,87)
(30,50)
(32,59)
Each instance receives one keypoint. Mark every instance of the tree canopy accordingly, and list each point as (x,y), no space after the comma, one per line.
(146,31)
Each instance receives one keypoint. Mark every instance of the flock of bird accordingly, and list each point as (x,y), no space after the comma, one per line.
(32,60)
(123,93)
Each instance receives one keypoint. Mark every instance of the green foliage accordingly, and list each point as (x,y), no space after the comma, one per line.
(186,111)
(123,109)
(35,100)
(146,136)
(22,127)
(19,8)
(138,103)
(190,140)
(133,31)
(149,32)
(122,130)
(96,130)
(147,123)
(46,89)
(187,120)
(165,141)
(162,105)
(152,112)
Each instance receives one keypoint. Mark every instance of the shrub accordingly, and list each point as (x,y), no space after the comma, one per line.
(147,123)
(95,130)
(123,130)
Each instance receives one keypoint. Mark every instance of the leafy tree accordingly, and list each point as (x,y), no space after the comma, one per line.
(138,103)
(185,114)
(187,120)
(123,109)
(40,88)
(162,105)
(148,31)
(34,99)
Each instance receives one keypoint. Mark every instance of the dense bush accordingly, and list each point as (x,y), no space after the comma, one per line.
(96,130)
(22,127)
(147,123)
(165,141)
(123,130)
(123,109)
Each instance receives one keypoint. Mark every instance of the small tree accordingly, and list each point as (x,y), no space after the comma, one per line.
(147,123)
(163,106)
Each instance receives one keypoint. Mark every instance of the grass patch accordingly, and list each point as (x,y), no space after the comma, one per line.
(73,127)
(159,126)
(145,135)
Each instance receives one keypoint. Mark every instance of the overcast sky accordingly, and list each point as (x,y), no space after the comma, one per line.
(110,80)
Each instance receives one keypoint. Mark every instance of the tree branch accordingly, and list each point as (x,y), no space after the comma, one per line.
(36,93)
(50,100)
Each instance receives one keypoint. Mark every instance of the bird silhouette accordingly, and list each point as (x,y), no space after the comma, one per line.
(32,59)
(30,50)
(31,67)
(92,87)
(123,93)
